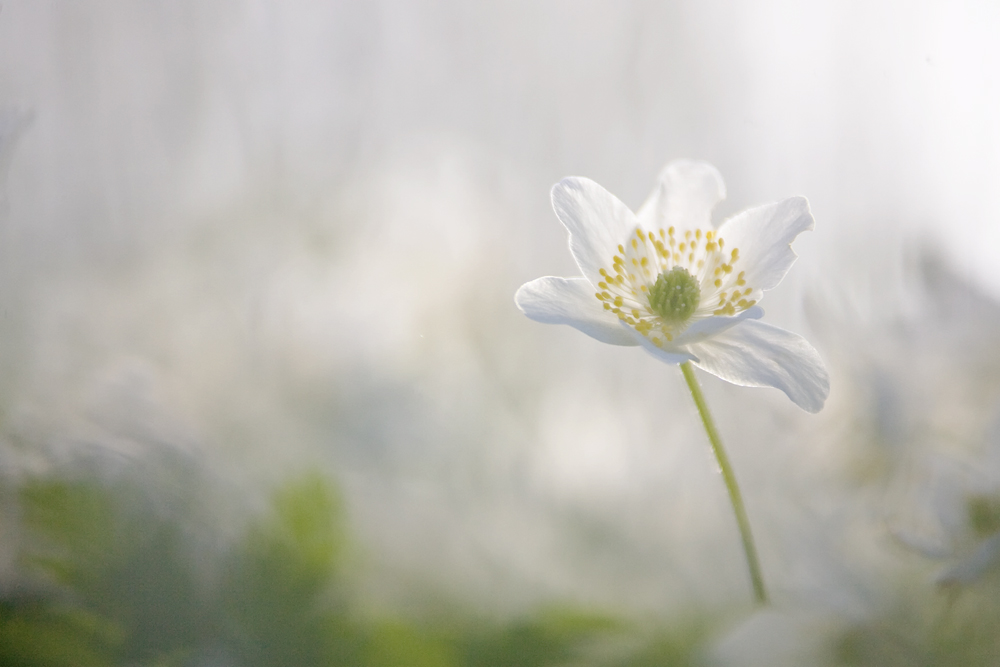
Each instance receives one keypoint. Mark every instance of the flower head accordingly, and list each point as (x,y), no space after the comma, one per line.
(667,279)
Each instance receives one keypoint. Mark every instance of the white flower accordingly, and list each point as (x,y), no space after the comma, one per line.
(667,280)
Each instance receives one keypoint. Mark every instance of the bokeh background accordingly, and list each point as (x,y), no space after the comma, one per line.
(265,397)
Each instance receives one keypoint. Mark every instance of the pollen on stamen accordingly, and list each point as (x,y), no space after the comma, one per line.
(635,244)
(721,243)
(619,301)
(697,234)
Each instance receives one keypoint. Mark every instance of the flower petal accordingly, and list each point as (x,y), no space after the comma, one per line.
(969,569)
(571,301)
(597,222)
(671,355)
(710,326)
(764,236)
(755,354)
(684,197)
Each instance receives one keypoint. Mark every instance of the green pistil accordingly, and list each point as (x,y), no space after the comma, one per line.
(675,295)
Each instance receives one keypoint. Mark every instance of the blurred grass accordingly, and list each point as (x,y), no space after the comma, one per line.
(956,623)
(111,578)
(43,632)
(929,629)
(984,514)
(112,575)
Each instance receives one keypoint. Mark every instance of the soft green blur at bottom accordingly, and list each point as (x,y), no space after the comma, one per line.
(113,575)
(113,578)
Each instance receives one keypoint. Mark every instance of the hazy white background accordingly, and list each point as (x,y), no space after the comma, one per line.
(279,235)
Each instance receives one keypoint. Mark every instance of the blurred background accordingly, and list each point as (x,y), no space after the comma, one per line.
(265,398)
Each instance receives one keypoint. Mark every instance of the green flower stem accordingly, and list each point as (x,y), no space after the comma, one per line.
(727,474)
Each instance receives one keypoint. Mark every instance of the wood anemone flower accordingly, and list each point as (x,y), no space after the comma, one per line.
(668,279)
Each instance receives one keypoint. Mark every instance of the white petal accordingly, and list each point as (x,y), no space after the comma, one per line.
(764,236)
(699,331)
(672,355)
(597,222)
(571,301)
(969,569)
(711,326)
(684,197)
(755,354)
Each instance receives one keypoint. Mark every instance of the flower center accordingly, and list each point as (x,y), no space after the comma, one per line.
(675,295)
(659,282)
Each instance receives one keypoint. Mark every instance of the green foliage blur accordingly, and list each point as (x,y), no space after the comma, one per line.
(129,569)
(960,628)
(926,626)
(113,575)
